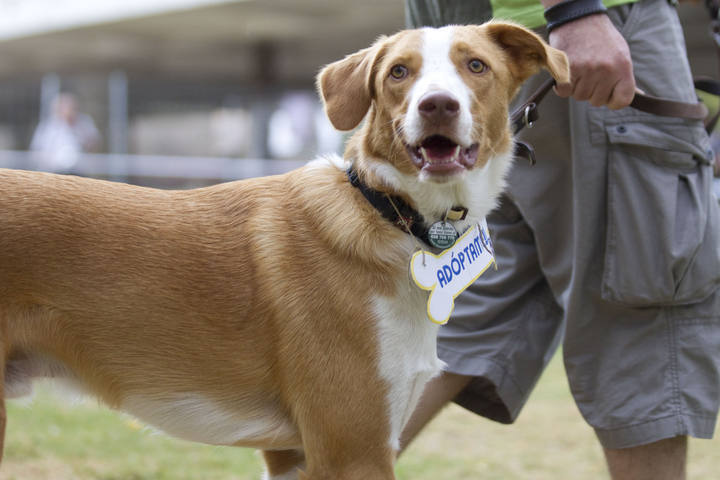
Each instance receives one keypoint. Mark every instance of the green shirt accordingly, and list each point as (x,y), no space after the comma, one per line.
(530,12)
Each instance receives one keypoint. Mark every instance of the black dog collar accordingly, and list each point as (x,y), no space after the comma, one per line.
(408,217)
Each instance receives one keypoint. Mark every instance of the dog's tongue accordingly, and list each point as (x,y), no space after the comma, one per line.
(439,149)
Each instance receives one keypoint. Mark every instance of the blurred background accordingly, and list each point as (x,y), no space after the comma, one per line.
(173,93)
(182,93)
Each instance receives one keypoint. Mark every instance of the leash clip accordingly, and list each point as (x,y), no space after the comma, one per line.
(525,150)
(526,116)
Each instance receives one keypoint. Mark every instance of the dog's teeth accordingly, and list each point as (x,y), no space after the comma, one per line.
(456,155)
(424,155)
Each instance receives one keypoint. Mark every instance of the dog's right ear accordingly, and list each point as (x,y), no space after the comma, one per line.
(346,87)
(528,52)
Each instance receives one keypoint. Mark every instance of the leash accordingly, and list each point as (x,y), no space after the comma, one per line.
(525,116)
(527,113)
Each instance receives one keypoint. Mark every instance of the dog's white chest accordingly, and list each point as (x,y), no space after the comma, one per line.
(408,353)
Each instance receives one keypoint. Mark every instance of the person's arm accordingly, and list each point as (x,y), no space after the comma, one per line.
(600,64)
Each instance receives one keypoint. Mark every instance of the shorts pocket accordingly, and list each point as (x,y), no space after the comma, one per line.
(662,242)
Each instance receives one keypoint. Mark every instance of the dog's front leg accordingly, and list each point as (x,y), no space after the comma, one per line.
(283,464)
(357,454)
(290,465)
(344,420)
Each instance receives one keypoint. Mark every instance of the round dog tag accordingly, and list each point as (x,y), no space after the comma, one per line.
(442,235)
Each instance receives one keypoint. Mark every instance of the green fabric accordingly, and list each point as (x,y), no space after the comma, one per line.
(530,12)
(436,13)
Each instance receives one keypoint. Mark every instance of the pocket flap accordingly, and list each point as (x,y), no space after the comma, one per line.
(649,135)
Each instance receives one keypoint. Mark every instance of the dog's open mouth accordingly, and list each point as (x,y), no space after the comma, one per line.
(438,154)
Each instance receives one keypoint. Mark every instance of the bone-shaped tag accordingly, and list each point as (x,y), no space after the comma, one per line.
(448,274)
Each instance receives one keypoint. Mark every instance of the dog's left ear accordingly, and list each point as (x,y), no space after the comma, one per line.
(346,87)
(528,52)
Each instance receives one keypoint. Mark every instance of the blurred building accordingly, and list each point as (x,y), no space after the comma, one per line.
(185,88)
(201,78)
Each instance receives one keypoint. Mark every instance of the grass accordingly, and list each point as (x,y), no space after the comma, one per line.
(52,439)
(712,101)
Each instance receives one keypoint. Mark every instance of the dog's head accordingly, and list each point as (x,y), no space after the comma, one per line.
(437,98)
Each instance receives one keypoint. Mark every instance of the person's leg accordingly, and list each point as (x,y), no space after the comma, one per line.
(643,332)
(663,460)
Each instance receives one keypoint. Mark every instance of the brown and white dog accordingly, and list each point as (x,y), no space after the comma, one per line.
(275,313)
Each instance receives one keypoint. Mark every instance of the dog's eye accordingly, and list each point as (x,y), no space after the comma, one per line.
(398,72)
(477,66)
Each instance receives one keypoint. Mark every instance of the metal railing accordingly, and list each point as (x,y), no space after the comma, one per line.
(124,167)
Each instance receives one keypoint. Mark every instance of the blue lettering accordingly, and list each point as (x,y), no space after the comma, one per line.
(453,263)
(476,241)
(473,251)
(461,256)
(448,273)
(467,254)
(441,278)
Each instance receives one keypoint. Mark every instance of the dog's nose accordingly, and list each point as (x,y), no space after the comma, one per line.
(439,106)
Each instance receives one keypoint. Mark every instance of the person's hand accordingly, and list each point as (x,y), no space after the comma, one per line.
(600,64)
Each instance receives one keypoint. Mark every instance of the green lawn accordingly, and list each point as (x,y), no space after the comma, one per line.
(54,439)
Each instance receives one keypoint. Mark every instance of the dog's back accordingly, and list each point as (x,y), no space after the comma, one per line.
(130,274)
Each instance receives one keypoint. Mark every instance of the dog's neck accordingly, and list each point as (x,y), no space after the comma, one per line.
(398,212)
(430,199)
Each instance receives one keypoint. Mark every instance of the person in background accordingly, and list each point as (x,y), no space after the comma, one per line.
(66,133)
(610,244)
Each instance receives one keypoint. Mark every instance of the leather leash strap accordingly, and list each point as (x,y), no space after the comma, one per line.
(527,113)
(669,108)
(525,116)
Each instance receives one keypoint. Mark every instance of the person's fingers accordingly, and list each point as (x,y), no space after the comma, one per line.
(601,94)
(600,62)
(622,94)
(583,88)
(564,90)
